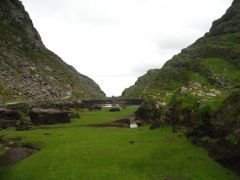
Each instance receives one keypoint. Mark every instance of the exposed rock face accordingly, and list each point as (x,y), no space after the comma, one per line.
(197,89)
(229,23)
(48,116)
(8,118)
(219,131)
(9,114)
(152,111)
(29,71)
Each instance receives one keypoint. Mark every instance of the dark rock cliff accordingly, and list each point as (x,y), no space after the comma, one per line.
(229,23)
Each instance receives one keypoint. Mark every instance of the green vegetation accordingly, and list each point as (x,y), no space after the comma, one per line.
(186,102)
(211,60)
(222,69)
(76,151)
(197,77)
(212,105)
(2,150)
(191,91)
(201,80)
(151,110)
(231,107)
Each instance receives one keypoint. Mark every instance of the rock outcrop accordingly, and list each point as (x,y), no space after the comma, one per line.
(8,118)
(152,111)
(28,70)
(229,23)
(48,116)
(115,109)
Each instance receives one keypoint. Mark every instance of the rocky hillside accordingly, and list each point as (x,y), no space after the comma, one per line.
(28,70)
(197,92)
(213,61)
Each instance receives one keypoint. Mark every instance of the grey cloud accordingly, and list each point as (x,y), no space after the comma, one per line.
(143,68)
(174,44)
(118,75)
(142,34)
(70,11)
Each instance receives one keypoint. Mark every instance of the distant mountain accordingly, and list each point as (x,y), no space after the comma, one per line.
(213,61)
(28,70)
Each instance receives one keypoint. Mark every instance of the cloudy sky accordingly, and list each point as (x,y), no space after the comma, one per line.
(116,41)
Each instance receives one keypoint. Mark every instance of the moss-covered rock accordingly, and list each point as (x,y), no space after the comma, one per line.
(214,124)
(152,111)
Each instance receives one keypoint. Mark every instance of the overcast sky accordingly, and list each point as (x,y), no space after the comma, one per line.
(116,41)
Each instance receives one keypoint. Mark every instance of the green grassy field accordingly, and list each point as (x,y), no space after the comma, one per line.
(1,149)
(75,151)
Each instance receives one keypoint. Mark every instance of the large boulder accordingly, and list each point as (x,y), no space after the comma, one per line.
(115,109)
(95,108)
(48,116)
(74,115)
(8,118)
(152,111)
(9,114)
(4,124)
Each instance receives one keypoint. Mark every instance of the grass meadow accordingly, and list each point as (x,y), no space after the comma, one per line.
(76,151)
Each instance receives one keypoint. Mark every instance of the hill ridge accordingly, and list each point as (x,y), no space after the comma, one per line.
(193,63)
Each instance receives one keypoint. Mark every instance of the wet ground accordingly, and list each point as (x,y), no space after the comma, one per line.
(14,153)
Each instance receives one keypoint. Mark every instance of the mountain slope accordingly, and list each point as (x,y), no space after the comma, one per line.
(213,60)
(29,71)
(198,91)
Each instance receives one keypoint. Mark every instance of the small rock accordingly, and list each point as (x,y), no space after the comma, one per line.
(210,94)
(215,91)
(162,103)
(184,91)
(197,84)
(237,132)
(131,142)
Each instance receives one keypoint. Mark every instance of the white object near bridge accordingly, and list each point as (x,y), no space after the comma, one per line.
(133,125)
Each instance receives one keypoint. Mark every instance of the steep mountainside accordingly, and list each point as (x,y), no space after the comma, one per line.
(198,91)
(213,61)
(29,71)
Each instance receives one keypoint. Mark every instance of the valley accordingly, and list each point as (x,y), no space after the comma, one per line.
(76,151)
(178,122)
